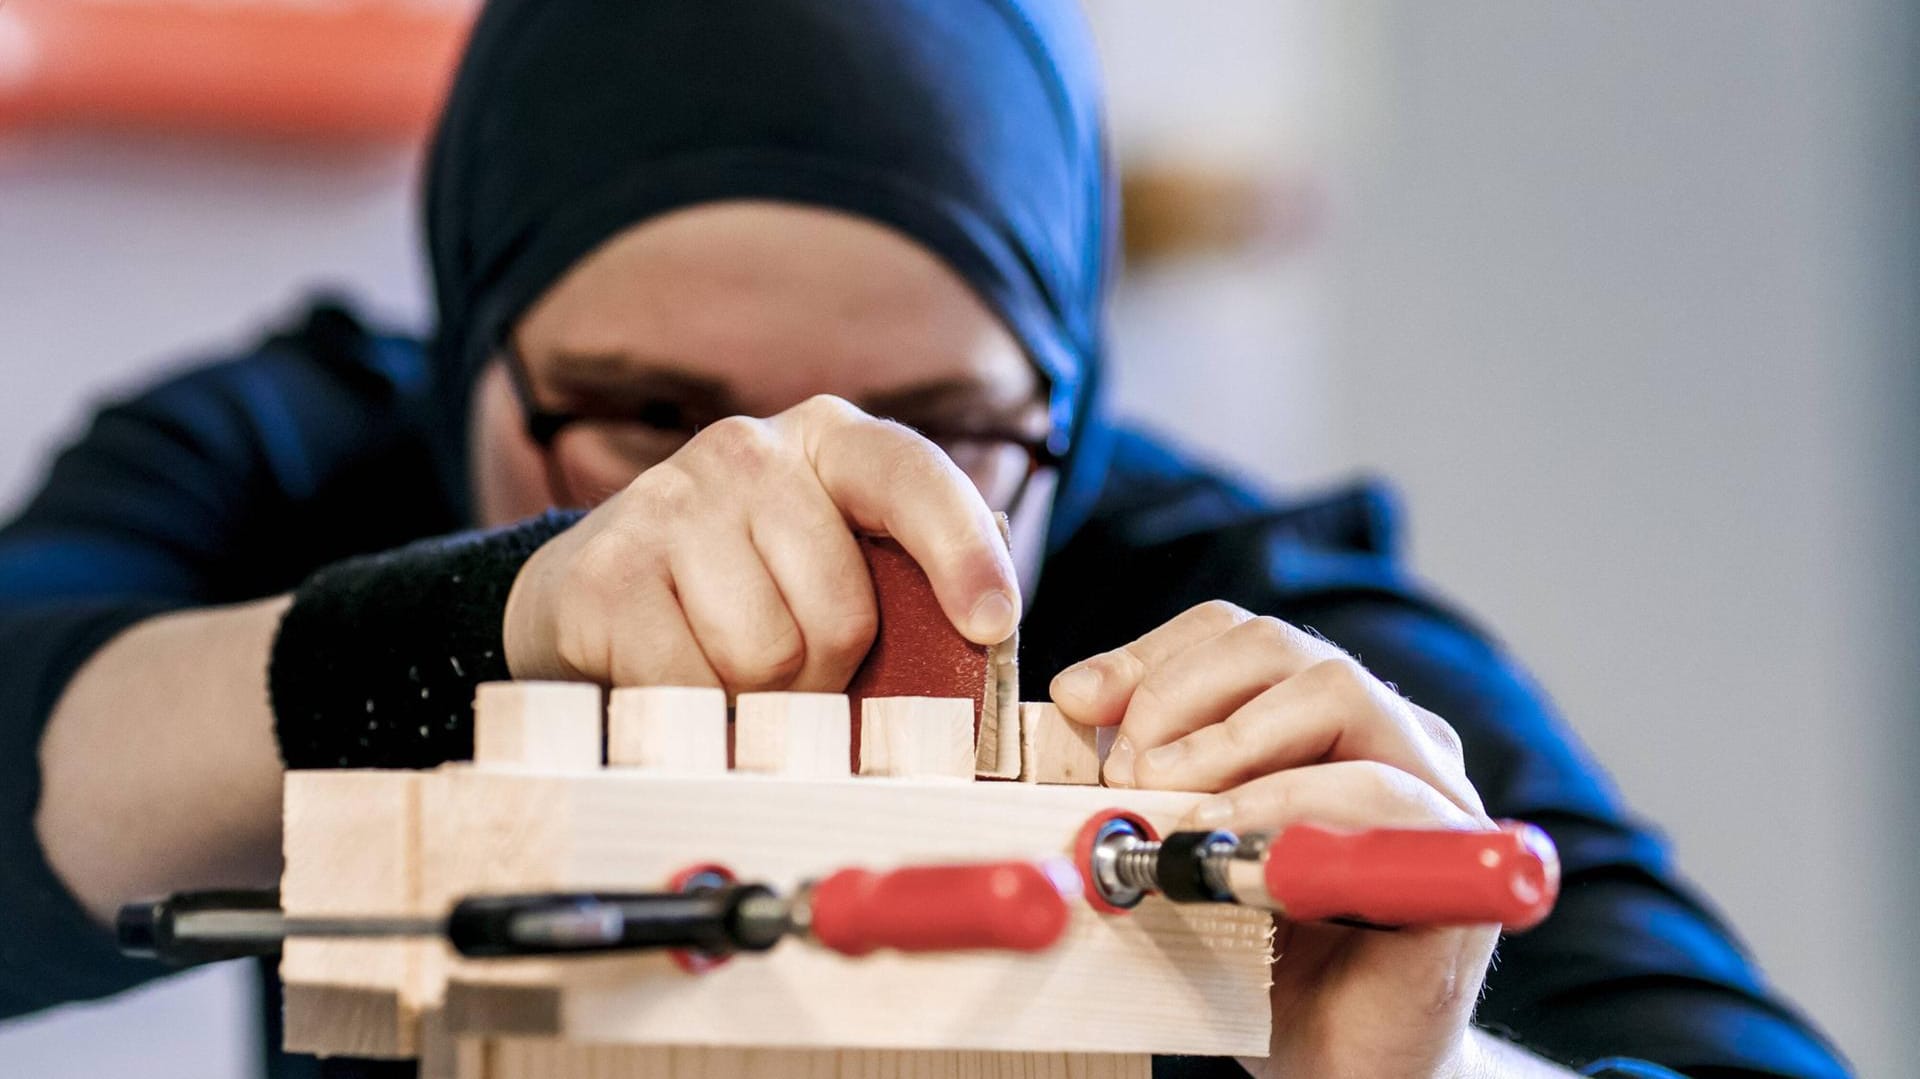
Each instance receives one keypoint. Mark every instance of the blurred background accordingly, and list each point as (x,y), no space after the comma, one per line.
(1621,297)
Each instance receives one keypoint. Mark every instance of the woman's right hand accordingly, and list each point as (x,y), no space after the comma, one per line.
(733,563)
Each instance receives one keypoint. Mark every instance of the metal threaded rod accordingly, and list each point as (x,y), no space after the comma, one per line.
(1134,865)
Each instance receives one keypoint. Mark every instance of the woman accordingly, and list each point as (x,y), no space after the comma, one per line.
(650,224)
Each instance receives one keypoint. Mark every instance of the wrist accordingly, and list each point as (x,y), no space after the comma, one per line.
(375,662)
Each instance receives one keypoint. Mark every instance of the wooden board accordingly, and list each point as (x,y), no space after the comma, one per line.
(1164,979)
(535,1058)
(351,848)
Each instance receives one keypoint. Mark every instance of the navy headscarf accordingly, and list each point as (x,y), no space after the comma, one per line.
(974,127)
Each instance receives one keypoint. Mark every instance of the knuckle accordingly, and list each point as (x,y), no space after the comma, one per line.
(1242,732)
(608,564)
(783,655)
(849,631)
(669,490)
(1151,696)
(768,663)
(1344,676)
(1128,665)
(1268,633)
(738,443)
(919,464)
(581,652)
(827,408)
(1443,733)
(1384,784)
(1219,614)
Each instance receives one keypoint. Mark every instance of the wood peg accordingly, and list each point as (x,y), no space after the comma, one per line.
(680,729)
(539,726)
(1054,749)
(922,737)
(794,734)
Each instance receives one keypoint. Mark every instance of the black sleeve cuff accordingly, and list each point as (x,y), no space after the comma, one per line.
(377,658)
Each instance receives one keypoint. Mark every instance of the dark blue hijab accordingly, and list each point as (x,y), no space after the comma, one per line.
(972,126)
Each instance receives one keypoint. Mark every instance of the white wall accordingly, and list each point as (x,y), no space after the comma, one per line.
(1626,304)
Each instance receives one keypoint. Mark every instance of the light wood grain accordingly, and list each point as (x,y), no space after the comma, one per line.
(1164,979)
(351,848)
(1054,749)
(680,729)
(997,751)
(793,734)
(541,726)
(917,737)
(532,1058)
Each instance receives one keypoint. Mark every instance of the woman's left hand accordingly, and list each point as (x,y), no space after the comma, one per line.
(1286,728)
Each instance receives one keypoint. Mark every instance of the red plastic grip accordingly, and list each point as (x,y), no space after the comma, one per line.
(1013,906)
(1394,877)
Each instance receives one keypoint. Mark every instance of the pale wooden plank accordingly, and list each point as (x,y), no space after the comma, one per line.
(917,737)
(1165,979)
(542,726)
(668,728)
(351,848)
(793,734)
(528,1058)
(1055,749)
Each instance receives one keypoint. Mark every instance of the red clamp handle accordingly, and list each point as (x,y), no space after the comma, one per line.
(1405,877)
(1014,906)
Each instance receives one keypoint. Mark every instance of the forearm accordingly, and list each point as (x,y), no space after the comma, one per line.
(159,768)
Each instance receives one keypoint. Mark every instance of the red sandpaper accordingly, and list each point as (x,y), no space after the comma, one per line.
(916,652)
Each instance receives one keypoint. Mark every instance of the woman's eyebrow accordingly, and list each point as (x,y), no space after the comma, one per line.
(960,391)
(624,376)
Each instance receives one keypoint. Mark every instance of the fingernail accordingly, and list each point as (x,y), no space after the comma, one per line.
(992,617)
(1080,681)
(1120,763)
(1212,813)
(1164,757)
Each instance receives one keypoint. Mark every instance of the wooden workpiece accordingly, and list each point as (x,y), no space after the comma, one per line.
(352,849)
(1199,972)
(543,726)
(542,1058)
(792,734)
(1055,749)
(1162,979)
(917,737)
(676,729)
(997,748)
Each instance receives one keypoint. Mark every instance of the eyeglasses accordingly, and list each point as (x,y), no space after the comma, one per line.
(606,448)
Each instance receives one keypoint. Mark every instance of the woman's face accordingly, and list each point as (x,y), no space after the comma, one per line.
(750,308)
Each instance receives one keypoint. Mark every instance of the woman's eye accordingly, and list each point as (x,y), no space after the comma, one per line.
(664,415)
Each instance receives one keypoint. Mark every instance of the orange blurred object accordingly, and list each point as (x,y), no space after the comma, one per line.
(353,70)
